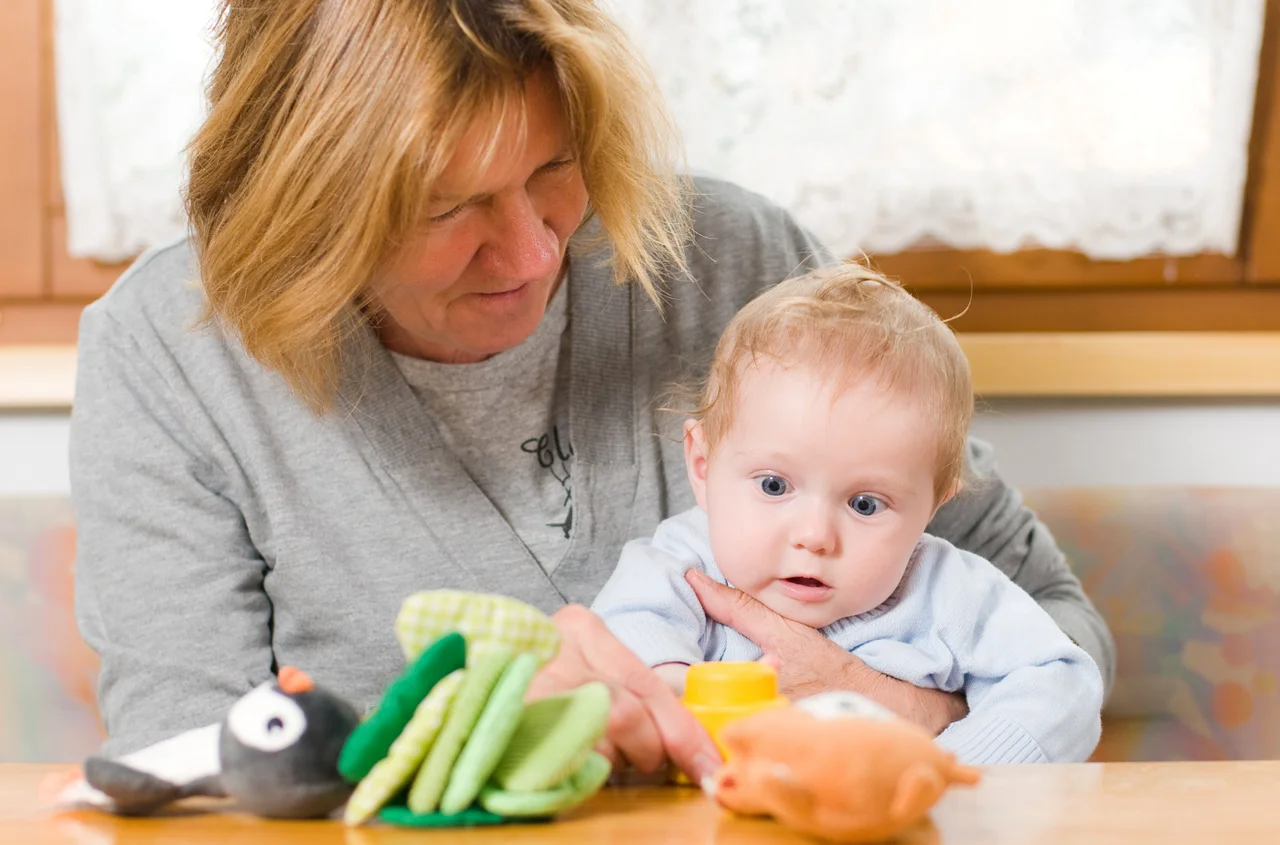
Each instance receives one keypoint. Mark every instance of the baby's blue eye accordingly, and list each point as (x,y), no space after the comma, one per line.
(772,485)
(864,504)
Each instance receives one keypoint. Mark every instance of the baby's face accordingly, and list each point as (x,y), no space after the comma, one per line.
(818,492)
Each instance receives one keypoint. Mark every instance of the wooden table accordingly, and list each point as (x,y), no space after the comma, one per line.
(1168,803)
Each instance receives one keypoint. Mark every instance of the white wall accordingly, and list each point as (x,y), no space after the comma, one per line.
(1039,444)
(1104,443)
(33,454)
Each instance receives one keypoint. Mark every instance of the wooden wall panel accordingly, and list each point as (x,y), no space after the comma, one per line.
(1120,364)
(949,269)
(21,167)
(1260,227)
(40,321)
(1109,310)
(52,175)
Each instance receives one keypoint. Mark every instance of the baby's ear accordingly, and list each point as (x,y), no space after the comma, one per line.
(695,459)
(956,487)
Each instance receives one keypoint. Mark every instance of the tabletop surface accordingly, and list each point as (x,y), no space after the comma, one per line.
(1170,803)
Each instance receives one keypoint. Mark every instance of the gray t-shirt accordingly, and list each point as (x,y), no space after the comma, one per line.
(506,421)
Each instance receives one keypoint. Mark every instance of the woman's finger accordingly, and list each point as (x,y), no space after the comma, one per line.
(678,733)
(686,741)
(589,651)
(744,614)
(630,736)
(632,732)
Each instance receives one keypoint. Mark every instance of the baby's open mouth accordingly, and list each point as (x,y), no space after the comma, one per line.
(805,581)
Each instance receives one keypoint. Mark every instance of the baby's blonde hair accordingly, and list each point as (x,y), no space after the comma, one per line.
(853,323)
(330,120)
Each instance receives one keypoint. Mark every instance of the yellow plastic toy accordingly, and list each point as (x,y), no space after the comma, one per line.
(719,693)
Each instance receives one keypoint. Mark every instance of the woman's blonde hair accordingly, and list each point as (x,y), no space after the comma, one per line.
(851,323)
(331,119)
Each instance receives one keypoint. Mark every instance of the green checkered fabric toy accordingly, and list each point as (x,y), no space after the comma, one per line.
(452,743)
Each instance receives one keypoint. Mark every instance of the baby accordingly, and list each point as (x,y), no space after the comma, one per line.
(832,427)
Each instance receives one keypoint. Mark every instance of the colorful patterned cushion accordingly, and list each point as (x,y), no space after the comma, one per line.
(47,674)
(1189,582)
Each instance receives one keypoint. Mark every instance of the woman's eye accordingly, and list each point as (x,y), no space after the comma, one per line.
(772,485)
(559,164)
(864,504)
(448,215)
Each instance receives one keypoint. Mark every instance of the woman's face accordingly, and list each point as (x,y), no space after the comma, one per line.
(475,279)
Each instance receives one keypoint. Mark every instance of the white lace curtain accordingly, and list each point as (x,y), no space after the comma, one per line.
(130,94)
(1117,127)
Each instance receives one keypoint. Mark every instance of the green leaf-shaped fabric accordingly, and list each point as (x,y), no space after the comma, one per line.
(372,739)
(482,676)
(402,762)
(578,787)
(489,738)
(474,816)
(554,736)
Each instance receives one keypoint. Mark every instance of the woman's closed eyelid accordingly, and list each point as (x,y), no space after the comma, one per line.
(562,158)
(549,167)
(448,215)
(561,170)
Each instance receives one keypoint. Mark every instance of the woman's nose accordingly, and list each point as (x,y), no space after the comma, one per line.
(522,247)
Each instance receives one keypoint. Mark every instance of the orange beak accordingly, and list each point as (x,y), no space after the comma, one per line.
(293,680)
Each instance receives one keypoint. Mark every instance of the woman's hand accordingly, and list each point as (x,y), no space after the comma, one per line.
(647,724)
(810,663)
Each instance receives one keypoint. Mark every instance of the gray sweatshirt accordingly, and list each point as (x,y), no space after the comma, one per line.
(225,530)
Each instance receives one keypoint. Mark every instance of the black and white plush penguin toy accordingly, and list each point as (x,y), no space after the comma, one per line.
(276,755)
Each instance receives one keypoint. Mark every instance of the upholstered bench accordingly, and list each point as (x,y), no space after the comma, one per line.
(1189,580)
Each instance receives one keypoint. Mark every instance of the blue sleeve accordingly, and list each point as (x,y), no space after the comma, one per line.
(649,606)
(1034,696)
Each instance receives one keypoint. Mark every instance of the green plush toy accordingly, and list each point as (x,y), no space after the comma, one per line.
(452,743)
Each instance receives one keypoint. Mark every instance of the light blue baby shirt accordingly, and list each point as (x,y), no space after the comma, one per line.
(955,623)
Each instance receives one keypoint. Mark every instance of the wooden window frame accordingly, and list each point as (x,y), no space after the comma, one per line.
(1034,322)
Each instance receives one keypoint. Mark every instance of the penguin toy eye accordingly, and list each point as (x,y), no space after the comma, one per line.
(266,720)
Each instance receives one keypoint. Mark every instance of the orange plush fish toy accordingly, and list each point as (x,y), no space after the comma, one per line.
(835,766)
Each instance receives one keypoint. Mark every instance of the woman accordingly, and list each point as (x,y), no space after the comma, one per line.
(445,267)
